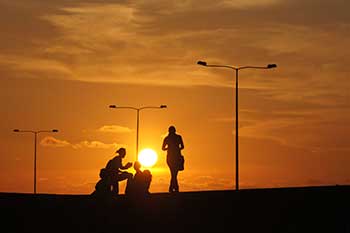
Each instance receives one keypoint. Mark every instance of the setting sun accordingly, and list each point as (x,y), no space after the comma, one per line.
(148,157)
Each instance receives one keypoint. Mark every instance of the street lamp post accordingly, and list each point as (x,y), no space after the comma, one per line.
(138,120)
(35,142)
(236,69)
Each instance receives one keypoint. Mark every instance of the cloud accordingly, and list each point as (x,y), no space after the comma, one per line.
(95,145)
(53,142)
(114,129)
(309,121)
(36,65)
(141,42)
(317,131)
(81,38)
(247,4)
(206,183)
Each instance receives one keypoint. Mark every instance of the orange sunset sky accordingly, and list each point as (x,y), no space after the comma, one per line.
(63,62)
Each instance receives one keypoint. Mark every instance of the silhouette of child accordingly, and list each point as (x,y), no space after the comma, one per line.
(140,183)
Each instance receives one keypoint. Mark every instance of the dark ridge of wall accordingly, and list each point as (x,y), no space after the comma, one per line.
(308,209)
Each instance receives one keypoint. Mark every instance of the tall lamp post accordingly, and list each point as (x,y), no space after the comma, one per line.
(137,120)
(236,69)
(35,142)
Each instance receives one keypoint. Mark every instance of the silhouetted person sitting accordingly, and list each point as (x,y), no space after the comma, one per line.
(103,186)
(140,183)
(114,167)
(173,144)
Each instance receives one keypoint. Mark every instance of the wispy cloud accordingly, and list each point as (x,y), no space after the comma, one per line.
(54,142)
(114,129)
(246,4)
(207,183)
(36,64)
(95,145)
(153,43)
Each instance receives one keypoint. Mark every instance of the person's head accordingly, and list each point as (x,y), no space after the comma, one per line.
(121,151)
(137,166)
(172,129)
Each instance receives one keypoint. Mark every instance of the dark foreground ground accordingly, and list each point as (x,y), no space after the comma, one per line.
(309,209)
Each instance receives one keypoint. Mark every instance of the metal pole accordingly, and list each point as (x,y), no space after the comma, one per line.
(35,147)
(269,66)
(137,134)
(237,173)
(35,139)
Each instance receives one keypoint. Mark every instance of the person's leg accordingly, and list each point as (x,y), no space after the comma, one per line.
(113,183)
(174,187)
(126,176)
(176,184)
(168,161)
(115,187)
(171,181)
(130,186)
(171,161)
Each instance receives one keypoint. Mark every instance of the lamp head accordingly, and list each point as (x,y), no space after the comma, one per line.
(55,130)
(163,106)
(16,130)
(202,63)
(112,106)
(271,66)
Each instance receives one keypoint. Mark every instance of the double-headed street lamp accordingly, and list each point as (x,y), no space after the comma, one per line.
(35,142)
(137,120)
(269,66)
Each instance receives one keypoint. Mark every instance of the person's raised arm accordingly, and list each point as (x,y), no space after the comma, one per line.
(126,166)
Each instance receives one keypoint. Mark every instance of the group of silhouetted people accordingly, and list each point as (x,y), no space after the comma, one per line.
(113,173)
(139,183)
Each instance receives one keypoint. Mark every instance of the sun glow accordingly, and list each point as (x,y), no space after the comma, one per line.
(148,157)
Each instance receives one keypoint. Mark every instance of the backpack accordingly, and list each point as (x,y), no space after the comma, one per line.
(181,163)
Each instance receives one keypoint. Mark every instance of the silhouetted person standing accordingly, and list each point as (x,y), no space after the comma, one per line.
(173,144)
(114,167)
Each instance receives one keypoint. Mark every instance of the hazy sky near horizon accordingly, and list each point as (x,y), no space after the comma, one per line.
(62,63)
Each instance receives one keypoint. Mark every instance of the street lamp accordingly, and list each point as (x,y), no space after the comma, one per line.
(138,120)
(269,66)
(35,142)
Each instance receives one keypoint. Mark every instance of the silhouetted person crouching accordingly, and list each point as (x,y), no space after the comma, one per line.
(103,186)
(114,168)
(173,144)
